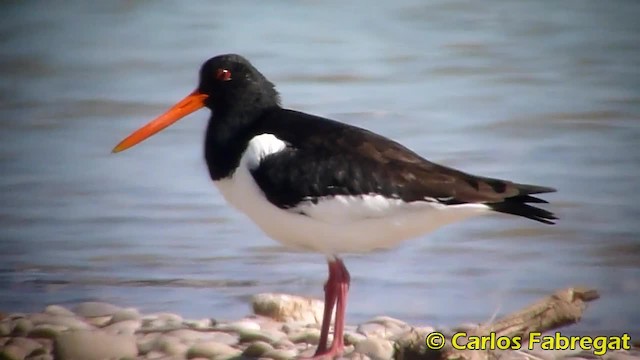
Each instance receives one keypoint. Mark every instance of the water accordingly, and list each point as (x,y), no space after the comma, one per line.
(541,92)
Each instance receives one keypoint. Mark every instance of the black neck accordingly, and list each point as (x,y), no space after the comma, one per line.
(227,137)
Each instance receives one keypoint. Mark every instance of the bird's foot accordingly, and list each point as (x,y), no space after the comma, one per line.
(327,354)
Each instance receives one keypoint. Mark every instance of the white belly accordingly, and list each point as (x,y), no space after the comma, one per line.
(339,224)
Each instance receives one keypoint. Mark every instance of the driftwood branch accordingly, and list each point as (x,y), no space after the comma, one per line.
(562,308)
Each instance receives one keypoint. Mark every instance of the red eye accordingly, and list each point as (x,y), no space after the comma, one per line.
(223,74)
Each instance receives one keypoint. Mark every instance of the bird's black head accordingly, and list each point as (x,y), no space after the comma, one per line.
(229,85)
(231,82)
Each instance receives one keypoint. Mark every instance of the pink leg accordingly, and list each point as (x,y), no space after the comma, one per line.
(330,296)
(336,291)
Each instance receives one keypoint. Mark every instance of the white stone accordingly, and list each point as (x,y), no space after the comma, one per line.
(125,314)
(171,346)
(68,321)
(96,309)
(287,308)
(94,345)
(281,354)
(58,310)
(19,348)
(128,327)
(239,326)
(211,349)
(377,349)
(21,327)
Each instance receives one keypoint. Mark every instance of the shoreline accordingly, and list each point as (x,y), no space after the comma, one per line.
(281,327)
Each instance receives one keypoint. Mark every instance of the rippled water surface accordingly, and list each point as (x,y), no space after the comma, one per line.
(536,91)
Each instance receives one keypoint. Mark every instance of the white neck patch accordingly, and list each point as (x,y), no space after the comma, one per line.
(260,147)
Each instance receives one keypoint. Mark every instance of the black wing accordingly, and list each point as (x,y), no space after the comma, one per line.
(326,158)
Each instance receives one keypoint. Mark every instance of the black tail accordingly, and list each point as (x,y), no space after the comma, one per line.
(517,205)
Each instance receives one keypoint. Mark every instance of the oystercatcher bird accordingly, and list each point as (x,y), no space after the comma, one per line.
(325,186)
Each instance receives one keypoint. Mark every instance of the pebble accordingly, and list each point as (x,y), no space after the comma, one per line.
(58,310)
(169,318)
(155,355)
(384,327)
(5,328)
(41,357)
(352,338)
(309,336)
(211,350)
(188,335)
(270,337)
(424,330)
(199,324)
(281,354)
(13,352)
(307,353)
(66,321)
(125,314)
(358,356)
(94,345)
(257,349)
(376,349)
(48,331)
(99,321)
(171,345)
(59,333)
(46,345)
(127,327)
(19,348)
(286,308)
(96,309)
(26,343)
(294,326)
(21,327)
(267,323)
(238,326)
(388,321)
(14,316)
(284,344)
(147,342)
(372,330)
(162,321)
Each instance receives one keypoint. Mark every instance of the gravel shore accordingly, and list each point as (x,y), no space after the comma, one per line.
(282,327)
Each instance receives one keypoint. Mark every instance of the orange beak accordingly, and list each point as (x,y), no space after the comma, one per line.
(186,106)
